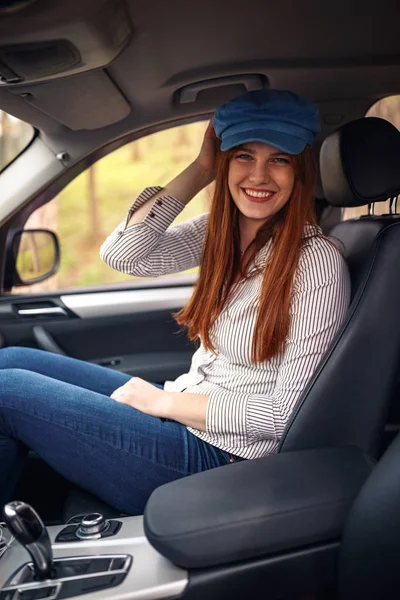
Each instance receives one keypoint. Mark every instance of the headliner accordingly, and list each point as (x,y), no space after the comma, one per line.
(343,54)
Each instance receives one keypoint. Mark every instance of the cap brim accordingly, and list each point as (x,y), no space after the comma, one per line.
(282,141)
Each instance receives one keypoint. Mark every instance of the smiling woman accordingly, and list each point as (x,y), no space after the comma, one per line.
(263,319)
(267,316)
(261,182)
(278,220)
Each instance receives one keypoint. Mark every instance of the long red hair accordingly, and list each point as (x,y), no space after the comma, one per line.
(221,263)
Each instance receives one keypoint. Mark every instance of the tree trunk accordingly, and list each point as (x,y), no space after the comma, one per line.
(93,204)
(136,151)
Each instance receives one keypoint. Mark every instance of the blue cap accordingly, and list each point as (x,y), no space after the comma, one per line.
(280,118)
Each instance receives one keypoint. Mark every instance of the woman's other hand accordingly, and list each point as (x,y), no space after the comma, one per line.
(188,409)
(141,395)
(206,159)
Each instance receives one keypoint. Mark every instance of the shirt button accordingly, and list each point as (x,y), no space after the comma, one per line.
(152,214)
(159,202)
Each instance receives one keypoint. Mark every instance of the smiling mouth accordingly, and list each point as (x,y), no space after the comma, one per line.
(258,195)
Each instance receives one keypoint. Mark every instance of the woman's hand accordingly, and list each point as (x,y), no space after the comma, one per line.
(143,396)
(208,153)
(188,409)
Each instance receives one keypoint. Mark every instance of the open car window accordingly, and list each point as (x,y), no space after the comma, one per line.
(87,210)
(15,135)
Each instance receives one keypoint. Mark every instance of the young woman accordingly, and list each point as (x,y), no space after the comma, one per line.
(271,293)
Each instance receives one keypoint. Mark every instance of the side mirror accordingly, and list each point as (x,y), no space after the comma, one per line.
(35,255)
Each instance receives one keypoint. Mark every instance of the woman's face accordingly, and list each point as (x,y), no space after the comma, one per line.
(261,180)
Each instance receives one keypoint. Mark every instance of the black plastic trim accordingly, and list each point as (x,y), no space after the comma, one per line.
(307,573)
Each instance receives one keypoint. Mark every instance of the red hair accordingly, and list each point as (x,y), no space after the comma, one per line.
(221,260)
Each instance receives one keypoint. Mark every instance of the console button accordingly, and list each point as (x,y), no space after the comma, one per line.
(93,524)
(70,532)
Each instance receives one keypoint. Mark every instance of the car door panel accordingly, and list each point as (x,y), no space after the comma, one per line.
(128,330)
(99,304)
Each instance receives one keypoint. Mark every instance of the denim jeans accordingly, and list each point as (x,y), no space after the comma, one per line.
(61,408)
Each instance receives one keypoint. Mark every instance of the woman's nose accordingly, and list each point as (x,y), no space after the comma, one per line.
(259,174)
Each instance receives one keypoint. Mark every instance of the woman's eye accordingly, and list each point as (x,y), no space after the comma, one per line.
(281,160)
(243,156)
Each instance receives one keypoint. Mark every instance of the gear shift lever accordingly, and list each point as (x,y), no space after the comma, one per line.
(28,528)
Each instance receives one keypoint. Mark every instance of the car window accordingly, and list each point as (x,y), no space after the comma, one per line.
(389,109)
(94,203)
(15,135)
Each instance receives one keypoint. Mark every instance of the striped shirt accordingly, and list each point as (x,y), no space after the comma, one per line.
(249,403)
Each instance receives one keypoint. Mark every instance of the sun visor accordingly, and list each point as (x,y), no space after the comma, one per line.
(59,39)
(88,101)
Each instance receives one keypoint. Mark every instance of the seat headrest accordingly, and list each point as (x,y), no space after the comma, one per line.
(360,163)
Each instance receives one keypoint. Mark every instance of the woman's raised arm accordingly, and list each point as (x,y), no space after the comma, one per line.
(144,244)
(189,182)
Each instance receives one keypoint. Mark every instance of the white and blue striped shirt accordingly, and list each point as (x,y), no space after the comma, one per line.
(249,403)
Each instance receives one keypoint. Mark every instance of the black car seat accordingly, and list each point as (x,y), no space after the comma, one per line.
(370,552)
(346,401)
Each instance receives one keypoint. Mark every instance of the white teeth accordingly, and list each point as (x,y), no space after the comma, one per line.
(258,194)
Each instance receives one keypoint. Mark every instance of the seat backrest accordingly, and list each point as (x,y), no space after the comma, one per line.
(346,400)
(370,550)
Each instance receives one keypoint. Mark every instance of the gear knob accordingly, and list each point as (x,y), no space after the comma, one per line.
(28,528)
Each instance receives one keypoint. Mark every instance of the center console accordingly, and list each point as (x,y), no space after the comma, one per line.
(273,524)
(111,558)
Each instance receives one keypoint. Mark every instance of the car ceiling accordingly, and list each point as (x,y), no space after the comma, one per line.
(343,54)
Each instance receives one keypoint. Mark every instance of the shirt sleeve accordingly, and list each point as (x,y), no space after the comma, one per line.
(321,296)
(153,248)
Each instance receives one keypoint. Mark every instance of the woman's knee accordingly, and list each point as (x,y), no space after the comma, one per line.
(15,384)
(16,357)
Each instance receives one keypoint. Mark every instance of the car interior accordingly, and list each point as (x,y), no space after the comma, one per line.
(319,519)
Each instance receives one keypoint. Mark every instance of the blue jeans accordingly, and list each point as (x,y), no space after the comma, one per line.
(61,408)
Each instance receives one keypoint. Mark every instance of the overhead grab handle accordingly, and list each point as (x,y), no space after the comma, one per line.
(189,93)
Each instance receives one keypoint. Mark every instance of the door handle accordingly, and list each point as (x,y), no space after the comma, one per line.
(190,92)
(50,311)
